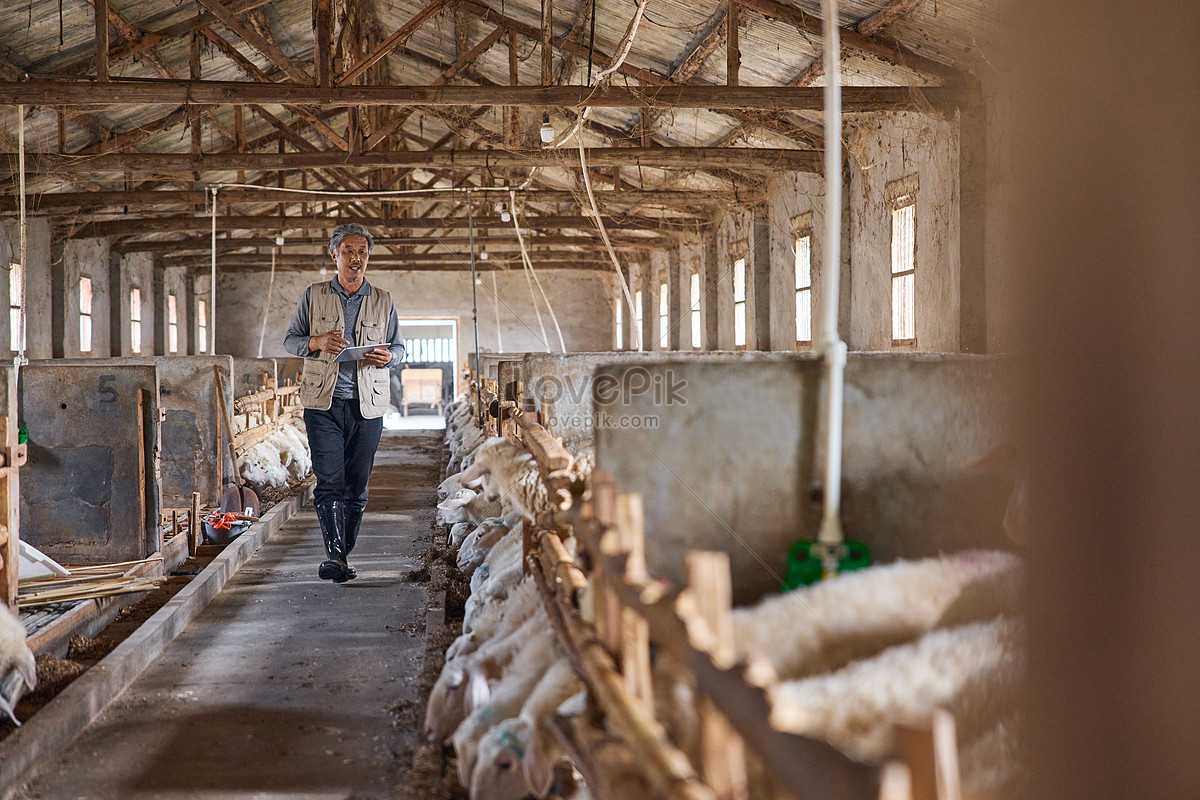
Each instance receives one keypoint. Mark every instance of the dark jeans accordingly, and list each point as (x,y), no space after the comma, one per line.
(343,448)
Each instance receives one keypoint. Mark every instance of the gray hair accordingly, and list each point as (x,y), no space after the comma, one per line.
(349,229)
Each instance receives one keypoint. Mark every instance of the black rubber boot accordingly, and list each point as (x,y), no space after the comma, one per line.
(353,514)
(333,530)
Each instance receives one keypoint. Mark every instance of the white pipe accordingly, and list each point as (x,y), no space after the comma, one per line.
(267,311)
(562,346)
(833,349)
(496,302)
(212,283)
(23,236)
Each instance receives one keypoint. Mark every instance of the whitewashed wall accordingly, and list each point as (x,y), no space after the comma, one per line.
(37,285)
(580,299)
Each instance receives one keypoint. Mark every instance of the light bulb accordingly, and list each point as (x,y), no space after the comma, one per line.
(324,272)
(504,215)
(479,281)
(279,241)
(547,129)
(483,253)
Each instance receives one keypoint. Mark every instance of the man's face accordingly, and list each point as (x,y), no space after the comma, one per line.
(351,259)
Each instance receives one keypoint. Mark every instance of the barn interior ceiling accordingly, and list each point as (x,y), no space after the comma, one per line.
(133,112)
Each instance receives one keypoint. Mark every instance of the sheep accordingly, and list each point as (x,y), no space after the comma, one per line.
(466,505)
(281,457)
(480,542)
(509,474)
(523,740)
(448,700)
(972,670)
(458,532)
(500,617)
(18,670)
(523,674)
(858,614)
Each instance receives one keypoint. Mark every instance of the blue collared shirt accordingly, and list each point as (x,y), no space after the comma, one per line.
(298,334)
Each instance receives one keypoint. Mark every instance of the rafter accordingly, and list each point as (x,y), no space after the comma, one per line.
(392,42)
(854,98)
(266,48)
(273,223)
(886,16)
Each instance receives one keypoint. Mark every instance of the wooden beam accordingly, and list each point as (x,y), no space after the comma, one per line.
(656,157)
(10,71)
(768,98)
(256,40)
(323,43)
(413,264)
(733,50)
(884,49)
(398,38)
(694,61)
(273,223)
(317,260)
(499,236)
(886,16)
(100,15)
(547,42)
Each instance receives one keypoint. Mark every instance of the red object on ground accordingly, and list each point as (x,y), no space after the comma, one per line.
(222,522)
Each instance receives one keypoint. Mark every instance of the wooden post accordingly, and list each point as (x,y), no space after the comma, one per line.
(931,754)
(141,424)
(722,751)
(604,602)
(733,61)
(547,42)
(323,43)
(514,112)
(635,631)
(100,8)
(9,507)
(195,535)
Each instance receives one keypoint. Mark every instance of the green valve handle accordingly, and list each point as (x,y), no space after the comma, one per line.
(22,435)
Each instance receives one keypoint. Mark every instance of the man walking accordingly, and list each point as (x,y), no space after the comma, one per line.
(344,400)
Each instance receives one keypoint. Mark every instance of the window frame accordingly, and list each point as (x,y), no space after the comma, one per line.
(901,197)
(694,311)
(739,305)
(802,229)
(201,326)
(135,320)
(86,298)
(172,323)
(16,307)
(664,316)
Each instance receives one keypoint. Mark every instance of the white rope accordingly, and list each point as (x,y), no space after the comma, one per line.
(612,254)
(496,302)
(833,349)
(212,283)
(562,346)
(267,311)
(532,296)
(23,235)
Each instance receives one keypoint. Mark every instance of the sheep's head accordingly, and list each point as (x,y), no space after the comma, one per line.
(499,765)
(444,712)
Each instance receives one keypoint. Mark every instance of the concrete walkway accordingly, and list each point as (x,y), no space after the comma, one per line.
(285,685)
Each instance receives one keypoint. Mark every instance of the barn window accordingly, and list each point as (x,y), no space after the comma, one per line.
(664,317)
(85,314)
(637,313)
(739,302)
(695,310)
(172,325)
(620,326)
(135,319)
(902,199)
(201,326)
(16,309)
(803,249)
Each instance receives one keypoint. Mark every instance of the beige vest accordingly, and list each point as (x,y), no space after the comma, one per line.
(320,373)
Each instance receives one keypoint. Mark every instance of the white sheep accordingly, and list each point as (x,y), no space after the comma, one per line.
(450,701)
(479,543)
(499,617)
(510,475)
(829,624)
(973,671)
(18,669)
(505,698)
(466,505)
(458,532)
(524,741)
(281,457)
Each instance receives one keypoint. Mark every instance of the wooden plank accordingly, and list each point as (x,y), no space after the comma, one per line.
(770,98)
(886,16)
(323,43)
(9,493)
(141,425)
(547,42)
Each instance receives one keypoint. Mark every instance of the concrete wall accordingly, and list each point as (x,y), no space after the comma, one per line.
(81,490)
(37,285)
(799,198)
(727,456)
(884,149)
(135,270)
(579,299)
(173,281)
(74,259)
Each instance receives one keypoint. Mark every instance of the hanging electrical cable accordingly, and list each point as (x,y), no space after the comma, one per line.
(267,311)
(212,282)
(529,267)
(496,302)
